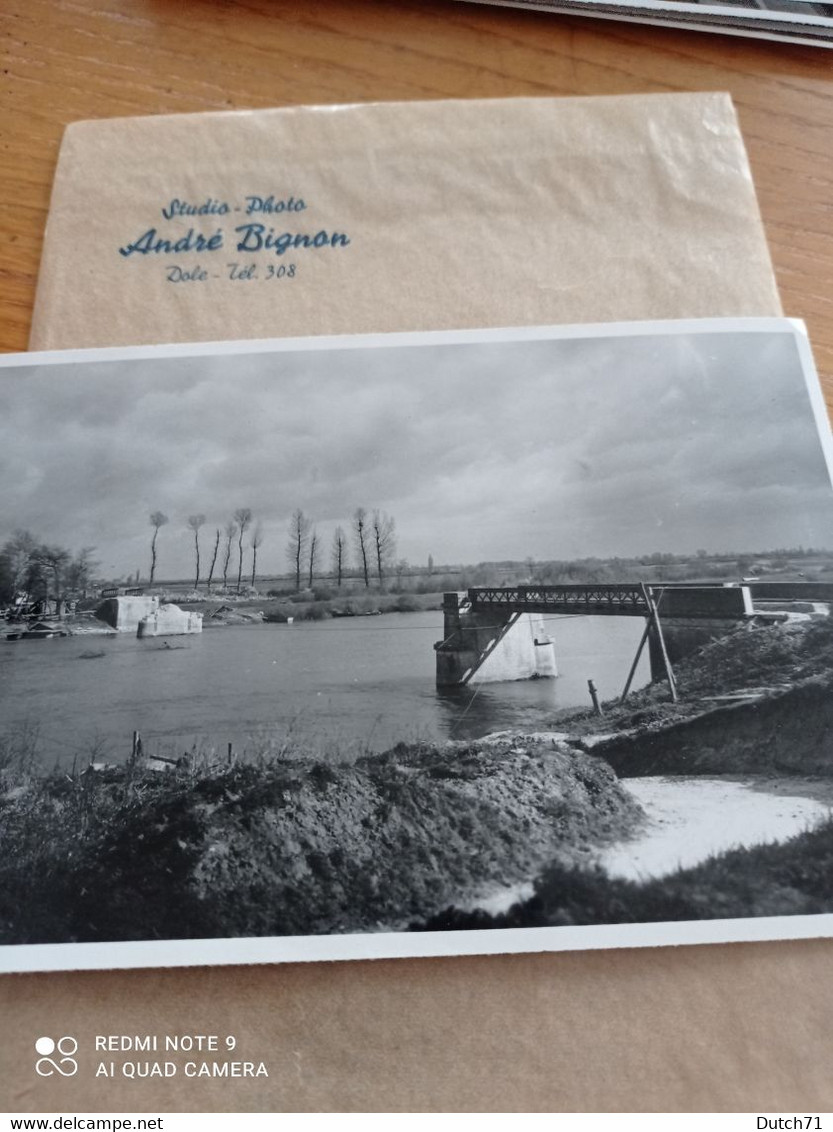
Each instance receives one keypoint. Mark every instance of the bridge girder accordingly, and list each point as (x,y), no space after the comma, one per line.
(617,599)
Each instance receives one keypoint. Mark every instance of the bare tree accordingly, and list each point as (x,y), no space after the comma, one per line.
(213,559)
(18,554)
(361,536)
(157,520)
(313,551)
(243,517)
(339,553)
(230,531)
(52,560)
(384,542)
(254,542)
(297,544)
(195,522)
(80,570)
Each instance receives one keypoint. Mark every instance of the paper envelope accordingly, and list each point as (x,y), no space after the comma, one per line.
(411,216)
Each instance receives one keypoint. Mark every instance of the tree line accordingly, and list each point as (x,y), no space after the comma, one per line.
(374,545)
(233,533)
(373,537)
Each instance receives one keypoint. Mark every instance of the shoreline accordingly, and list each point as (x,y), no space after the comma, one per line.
(234,609)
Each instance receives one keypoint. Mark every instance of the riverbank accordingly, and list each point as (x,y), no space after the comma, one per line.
(219,609)
(757,701)
(309,605)
(291,846)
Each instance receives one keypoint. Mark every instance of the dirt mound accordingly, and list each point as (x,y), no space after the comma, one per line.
(760,659)
(298,847)
(780,676)
(783,732)
(759,653)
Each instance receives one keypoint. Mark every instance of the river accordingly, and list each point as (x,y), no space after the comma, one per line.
(340,687)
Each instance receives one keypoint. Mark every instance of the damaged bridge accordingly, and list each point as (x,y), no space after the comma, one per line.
(498,633)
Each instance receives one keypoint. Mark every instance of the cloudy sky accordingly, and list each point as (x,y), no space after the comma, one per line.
(549,449)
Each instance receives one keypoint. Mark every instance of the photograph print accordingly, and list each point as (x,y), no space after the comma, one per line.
(408,644)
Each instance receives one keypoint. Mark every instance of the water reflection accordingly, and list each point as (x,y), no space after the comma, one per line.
(479,709)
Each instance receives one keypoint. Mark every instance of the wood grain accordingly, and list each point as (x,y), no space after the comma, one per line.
(66,60)
(600,1032)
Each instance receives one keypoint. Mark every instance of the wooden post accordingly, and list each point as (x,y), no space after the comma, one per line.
(594,696)
(230,754)
(669,672)
(137,746)
(632,672)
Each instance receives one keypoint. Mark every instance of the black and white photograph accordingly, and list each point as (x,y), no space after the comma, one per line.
(415,644)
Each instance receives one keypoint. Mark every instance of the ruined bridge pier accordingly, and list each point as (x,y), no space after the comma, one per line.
(491,644)
(492,634)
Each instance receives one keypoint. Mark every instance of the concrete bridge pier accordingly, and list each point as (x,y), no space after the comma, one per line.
(123,613)
(491,645)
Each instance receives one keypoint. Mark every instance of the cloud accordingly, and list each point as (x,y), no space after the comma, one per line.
(552,448)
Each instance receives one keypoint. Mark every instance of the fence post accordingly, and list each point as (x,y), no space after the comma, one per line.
(594,696)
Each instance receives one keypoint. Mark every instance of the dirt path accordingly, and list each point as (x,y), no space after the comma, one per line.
(691,818)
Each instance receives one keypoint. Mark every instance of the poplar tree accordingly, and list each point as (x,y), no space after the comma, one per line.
(361,536)
(157,519)
(383,531)
(195,522)
(339,554)
(243,517)
(230,532)
(297,543)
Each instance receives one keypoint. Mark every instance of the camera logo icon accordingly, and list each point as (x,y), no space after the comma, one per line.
(63,1063)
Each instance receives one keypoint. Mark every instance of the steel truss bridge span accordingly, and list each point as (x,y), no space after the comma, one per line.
(480,640)
(618,599)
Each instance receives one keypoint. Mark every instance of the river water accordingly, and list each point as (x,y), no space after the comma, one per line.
(340,687)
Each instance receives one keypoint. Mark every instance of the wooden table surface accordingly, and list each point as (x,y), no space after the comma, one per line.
(75,59)
(68,60)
